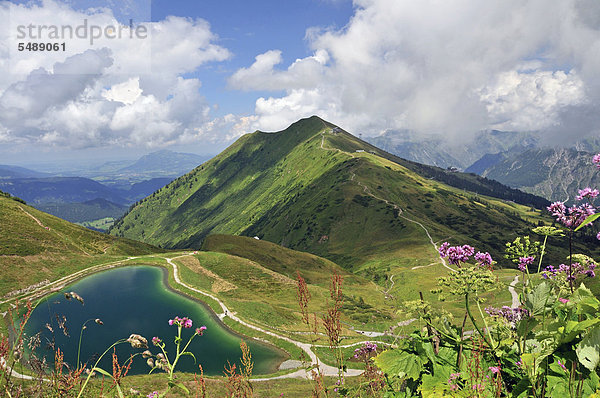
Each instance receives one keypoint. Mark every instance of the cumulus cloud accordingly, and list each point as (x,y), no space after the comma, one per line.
(128,91)
(451,67)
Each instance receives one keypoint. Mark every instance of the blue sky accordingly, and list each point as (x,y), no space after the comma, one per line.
(211,71)
(249,28)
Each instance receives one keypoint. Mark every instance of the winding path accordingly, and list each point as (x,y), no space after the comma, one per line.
(395,206)
(325,370)
(515,296)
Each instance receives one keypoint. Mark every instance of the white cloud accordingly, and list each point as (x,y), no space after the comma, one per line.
(530,101)
(127,92)
(452,67)
(306,72)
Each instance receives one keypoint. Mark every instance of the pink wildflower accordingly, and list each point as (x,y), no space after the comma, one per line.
(200,330)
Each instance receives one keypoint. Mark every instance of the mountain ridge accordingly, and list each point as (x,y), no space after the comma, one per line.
(316,188)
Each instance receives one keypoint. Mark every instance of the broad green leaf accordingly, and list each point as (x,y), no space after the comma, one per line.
(588,220)
(574,328)
(435,386)
(585,300)
(539,298)
(400,363)
(588,350)
(557,386)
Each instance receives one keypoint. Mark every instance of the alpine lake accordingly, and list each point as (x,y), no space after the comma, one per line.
(136,299)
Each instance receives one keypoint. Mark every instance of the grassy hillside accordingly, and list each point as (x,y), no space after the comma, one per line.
(35,246)
(314,269)
(315,188)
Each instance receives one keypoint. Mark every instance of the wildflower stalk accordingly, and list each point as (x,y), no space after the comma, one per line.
(468,308)
(94,368)
(487,329)
(83,327)
(543,251)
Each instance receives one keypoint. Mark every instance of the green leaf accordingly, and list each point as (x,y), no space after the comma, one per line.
(588,220)
(573,328)
(539,298)
(179,385)
(588,350)
(400,363)
(120,392)
(585,300)
(102,371)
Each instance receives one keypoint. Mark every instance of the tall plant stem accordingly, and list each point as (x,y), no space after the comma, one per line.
(468,308)
(542,254)
(571,260)
(96,364)
(485,324)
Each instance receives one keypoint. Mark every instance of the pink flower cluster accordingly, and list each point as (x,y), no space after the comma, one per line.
(573,216)
(596,160)
(156,341)
(185,322)
(365,350)
(462,254)
(550,272)
(484,259)
(587,193)
(511,315)
(456,254)
(525,262)
(452,381)
(200,330)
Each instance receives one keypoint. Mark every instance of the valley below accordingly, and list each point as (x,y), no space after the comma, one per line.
(260,244)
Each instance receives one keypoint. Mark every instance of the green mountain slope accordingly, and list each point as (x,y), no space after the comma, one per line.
(555,174)
(315,188)
(35,246)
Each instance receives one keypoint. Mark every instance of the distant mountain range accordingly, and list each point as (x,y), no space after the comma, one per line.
(437,151)
(8,172)
(104,192)
(556,174)
(518,160)
(316,188)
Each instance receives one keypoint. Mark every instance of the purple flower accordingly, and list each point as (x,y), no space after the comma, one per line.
(365,351)
(563,300)
(587,193)
(456,254)
(484,259)
(187,323)
(596,160)
(550,272)
(200,330)
(156,341)
(153,394)
(573,216)
(494,369)
(525,262)
(511,315)
(172,321)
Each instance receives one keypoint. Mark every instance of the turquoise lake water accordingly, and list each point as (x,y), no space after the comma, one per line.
(135,300)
